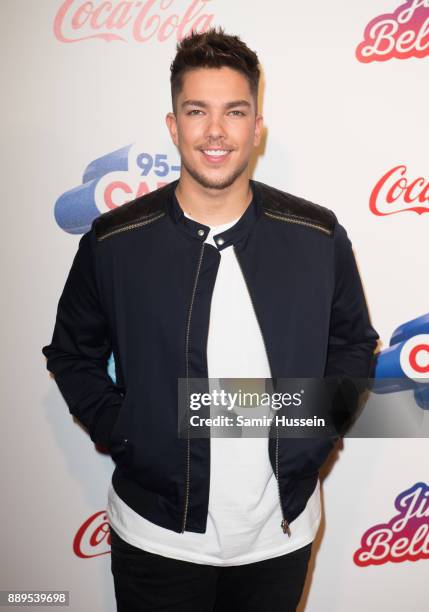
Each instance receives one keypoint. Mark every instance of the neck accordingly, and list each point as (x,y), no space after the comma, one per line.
(214,206)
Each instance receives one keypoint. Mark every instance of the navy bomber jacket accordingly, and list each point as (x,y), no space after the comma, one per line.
(140,286)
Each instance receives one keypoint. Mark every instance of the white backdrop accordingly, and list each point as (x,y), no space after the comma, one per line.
(337,122)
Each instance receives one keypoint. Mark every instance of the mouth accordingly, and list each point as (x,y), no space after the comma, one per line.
(215,155)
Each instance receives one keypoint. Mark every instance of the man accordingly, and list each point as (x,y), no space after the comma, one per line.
(214,275)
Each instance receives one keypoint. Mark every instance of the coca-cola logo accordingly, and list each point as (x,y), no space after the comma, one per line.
(395,192)
(93,537)
(77,20)
(401,34)
(405,537)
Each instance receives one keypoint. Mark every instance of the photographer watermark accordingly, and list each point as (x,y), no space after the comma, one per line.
(301,408)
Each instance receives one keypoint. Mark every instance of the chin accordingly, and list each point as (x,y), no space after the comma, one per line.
(219,182)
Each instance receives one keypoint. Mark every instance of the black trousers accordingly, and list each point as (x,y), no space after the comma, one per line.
(146,581)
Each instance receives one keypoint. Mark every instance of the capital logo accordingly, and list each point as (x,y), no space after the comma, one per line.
(92,539)
(396,192)
(113,180)
(77,20)
(401,34)
(406,362)
(405,537)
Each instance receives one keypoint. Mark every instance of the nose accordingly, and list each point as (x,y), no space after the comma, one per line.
(215,128)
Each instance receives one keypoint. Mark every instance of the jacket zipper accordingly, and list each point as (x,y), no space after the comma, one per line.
(284,524)
(188,450)
(132,225)
(297,220)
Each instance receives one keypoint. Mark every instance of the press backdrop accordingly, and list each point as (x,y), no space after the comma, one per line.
(84,95)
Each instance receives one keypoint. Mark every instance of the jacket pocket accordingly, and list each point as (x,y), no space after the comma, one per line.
(303,457)
(120,443)
(121,452)
(315,460)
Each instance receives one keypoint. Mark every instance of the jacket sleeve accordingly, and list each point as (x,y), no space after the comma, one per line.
(80,348)
(352,339)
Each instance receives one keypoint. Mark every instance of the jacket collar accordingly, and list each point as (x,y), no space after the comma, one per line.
(198,231)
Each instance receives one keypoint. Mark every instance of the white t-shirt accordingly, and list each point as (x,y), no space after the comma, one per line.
(244,514)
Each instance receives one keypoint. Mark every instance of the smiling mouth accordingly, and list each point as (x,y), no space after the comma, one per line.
(215,155)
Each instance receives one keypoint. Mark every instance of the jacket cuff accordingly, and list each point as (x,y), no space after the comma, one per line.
(102,429)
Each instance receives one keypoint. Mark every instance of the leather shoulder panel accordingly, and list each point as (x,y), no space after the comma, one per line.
(134,214)
(284,206)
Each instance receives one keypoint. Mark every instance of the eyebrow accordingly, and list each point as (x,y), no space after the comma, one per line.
(203,104)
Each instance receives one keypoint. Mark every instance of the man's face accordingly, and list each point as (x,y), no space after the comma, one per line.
(215,126)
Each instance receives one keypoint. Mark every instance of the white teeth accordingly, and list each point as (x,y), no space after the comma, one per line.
(216,153)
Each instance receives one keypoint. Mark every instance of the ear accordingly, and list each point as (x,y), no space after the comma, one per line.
(171,122)
(259,126)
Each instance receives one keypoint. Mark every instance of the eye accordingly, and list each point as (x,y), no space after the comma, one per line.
(237,113)
(194,111)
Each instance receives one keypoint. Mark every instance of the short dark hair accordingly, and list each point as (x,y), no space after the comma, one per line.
(213,49)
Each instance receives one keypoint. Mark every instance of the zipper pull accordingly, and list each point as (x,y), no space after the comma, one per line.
(285,527)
